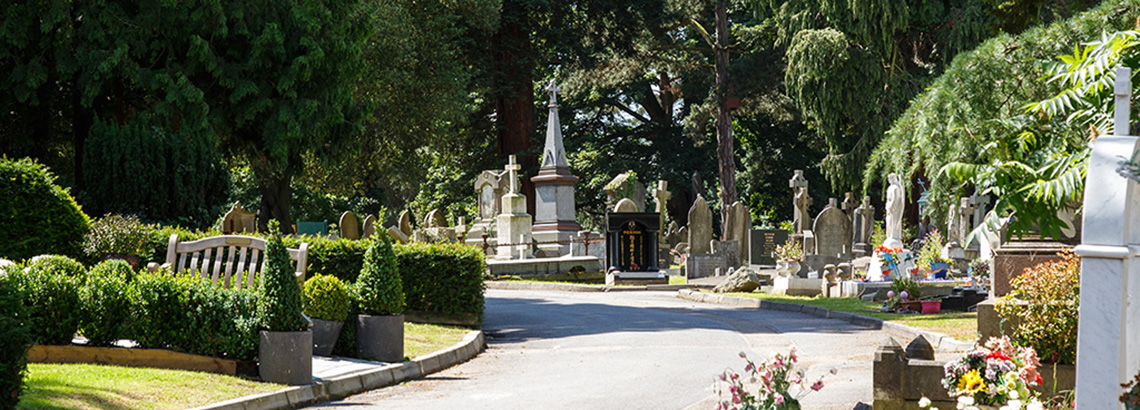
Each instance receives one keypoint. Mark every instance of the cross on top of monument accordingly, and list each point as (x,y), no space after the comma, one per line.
(798,180)
(553,89)
(512,173)
(662,194)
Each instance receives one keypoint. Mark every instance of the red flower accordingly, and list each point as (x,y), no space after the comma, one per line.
(997,354)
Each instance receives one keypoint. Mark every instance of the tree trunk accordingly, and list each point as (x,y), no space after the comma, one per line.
(276,198)
(514,96)
(724,140)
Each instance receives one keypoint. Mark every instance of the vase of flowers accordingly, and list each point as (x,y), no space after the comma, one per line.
(788,257)
(781,387)
(996,375)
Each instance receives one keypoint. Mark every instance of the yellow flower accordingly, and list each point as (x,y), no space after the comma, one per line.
(971,382)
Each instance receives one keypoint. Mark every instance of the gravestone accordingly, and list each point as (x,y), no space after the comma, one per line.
(849,204)
(801,202)
(489,189)
(397,235)
(435,219)
(833,232)
(700,227)
(405,226)
(673,234)
(349,226)
(862,223)
(763,243)
(632,241)
(626,205)
(729,250)
(952,224)
(514,224)
(239,220)
(555,214)
(369,226)
(625,186)
(738,224)
(704,266)
(965,212)
(661,197)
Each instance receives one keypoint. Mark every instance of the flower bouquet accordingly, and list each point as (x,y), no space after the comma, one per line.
(775,376)
(891,258)
(998,375)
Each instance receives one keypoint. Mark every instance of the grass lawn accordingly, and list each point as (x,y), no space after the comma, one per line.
(677,280)
(88,386)
(959,325)
(424,339)
(98,387)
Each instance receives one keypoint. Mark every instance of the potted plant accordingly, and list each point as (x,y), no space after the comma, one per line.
(285,352)
(788,257)
(904,295)
(930,256)
(326,301)
(379,293)
(117,236)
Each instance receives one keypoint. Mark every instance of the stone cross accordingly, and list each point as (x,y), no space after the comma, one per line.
(979,202)
(553,89)
(512,173)
(965,211)
(849,203)
(800,201)
(662,195)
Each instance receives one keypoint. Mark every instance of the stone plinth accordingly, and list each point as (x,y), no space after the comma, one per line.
(703,266)
(1012,258)
(794,286)
(513,227)
(618,278)
(564,268)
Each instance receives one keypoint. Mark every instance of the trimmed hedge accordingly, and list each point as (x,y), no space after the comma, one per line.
(15,340)
(50,286)
(442,278)
(188,315)
(36,215)
(107,304)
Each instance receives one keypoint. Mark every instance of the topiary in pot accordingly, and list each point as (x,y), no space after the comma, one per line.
(286,348)
(379,293)
(326,300)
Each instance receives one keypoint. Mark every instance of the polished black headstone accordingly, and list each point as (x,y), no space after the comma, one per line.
(631,241)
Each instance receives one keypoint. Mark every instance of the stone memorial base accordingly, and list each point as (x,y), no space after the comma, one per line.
(704,266)
(619,278)
(794,286)
(1012,258)
(877,291)
(567,265)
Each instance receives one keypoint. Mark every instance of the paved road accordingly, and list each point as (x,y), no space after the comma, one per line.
(630,350)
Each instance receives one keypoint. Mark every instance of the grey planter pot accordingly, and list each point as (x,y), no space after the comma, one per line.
(325,333)
(286,357)
(380,338)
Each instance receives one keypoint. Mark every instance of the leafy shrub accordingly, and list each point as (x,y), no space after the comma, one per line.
(185,314)
(106,303)
(140,169)
(15,340)
(931,251)
(325,297)
(36,215)
(115,234)
(442,278)
(342,258)
(279,308)
(1045,300)
(50,285)
(379,290)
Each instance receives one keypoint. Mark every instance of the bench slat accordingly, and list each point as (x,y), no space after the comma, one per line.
(230,266)
(219,253)
(181,262)
(208,260)
(194,264)
(253,271)
(241,267)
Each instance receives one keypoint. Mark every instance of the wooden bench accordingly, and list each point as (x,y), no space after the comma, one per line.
(222,259)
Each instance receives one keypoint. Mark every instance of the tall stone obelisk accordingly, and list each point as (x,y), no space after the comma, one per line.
(554,213)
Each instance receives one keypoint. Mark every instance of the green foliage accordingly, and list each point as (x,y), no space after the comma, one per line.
(51,287)
(1045,300)
(36,215)
(15,340)
(931,251)
(279,307)
(142,169)
(980,100)
(878,233)
(790,252)
(379,290)
(326,297)
(119,235)
(184,314)
(341,258)
(442,278)
(913,290)
(107,310)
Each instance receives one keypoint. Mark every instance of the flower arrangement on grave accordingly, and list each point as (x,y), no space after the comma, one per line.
(790,251)
(776,377)
(996,374)
(891,258)
(1131,396)
(902,290)
(931,251)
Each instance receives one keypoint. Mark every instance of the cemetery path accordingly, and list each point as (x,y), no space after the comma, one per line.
(630,350)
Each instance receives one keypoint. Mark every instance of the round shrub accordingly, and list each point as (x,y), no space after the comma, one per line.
(279,309)
(107,306)
(325,297)
(118,236)
(36,215)
(14,342)
(51,285)
(379,290)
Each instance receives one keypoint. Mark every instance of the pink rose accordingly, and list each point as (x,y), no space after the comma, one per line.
(817,385)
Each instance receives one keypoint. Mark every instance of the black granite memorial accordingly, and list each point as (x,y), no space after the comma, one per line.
(631,239)
(764,242)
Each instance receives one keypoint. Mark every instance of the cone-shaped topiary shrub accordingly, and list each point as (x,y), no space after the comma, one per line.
(325,297)
(379,290)
(279,309)
(14,342)
(36,215)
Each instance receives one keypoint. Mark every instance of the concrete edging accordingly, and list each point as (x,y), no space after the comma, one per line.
(567,287)
(343,386)
(938,340)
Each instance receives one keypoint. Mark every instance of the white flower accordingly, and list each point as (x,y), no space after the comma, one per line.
(923,402)
(1014,404)
(966,400)
(1013,394)
(1034,405)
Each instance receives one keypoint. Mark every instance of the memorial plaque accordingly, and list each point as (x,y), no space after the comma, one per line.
(764,243)
(632,241)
